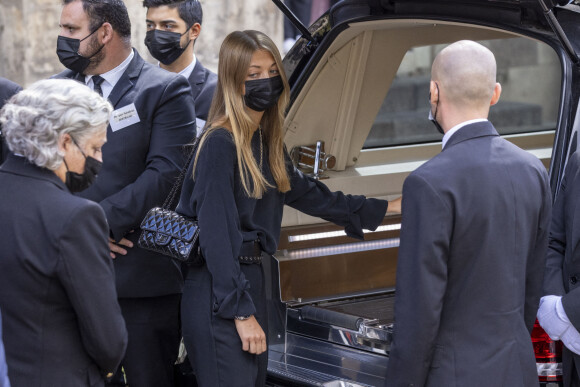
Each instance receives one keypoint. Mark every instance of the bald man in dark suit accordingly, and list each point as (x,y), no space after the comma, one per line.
(473,242)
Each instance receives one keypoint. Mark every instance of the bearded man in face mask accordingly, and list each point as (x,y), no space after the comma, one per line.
(173,27)
(153,117)
(473,241)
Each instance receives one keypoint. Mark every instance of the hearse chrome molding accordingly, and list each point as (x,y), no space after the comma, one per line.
(338,233)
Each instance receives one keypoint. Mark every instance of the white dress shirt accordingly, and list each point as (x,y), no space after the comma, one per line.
(111,77)
(186,72)
(454,129)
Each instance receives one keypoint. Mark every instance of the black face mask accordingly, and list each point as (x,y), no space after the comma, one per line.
(433,117)
(262,94)
(165,46)
(77,182)
(67,50)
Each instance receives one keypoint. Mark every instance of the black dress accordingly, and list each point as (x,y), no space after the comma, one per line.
(223,288)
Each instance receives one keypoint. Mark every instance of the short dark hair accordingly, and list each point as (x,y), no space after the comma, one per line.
(189,10)
(113,12)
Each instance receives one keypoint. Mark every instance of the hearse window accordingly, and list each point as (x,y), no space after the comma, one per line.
(530,75)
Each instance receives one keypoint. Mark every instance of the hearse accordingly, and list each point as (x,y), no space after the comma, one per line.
(358,122)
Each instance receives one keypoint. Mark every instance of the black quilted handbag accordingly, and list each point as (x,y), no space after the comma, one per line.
(169,233)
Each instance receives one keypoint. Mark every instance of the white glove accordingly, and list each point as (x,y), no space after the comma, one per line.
(571,339)
(554,323)
(552,317)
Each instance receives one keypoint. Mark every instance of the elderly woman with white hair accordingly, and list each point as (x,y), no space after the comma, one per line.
(62,323)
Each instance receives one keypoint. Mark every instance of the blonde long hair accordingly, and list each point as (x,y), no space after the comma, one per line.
(228,109)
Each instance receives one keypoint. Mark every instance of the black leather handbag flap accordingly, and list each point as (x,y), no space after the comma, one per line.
(168,224)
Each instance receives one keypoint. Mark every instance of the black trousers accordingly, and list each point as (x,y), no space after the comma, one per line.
(154,335)
(213,344)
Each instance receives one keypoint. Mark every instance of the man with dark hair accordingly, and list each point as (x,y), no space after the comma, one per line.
(172,29)
(7,90)
(154,117)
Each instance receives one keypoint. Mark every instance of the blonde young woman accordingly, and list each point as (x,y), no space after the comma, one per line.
(241,179)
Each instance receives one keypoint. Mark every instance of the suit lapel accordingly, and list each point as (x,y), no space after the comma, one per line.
(197,78)
(468,132)
(127,80)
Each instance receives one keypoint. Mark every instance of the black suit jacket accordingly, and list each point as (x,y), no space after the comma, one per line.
(62,323)
(470,267)
(203,83)
(7,90)
(140,164)
(562,276)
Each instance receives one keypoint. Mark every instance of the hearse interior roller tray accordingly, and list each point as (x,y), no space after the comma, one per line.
(332,324)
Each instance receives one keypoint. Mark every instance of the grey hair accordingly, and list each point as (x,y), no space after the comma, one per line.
(36,118)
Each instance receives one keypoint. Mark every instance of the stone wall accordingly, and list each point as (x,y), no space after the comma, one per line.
(29,28)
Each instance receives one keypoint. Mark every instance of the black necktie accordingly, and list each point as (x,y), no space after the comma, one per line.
(97,80)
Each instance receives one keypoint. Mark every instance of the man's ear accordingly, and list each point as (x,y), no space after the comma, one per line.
(496,94)
(107,33)
(433,92)
(194,31)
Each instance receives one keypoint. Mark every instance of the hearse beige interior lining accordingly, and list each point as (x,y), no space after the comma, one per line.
(339,102)
(360,66)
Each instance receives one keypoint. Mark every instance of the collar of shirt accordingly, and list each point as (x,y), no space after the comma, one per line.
(454,129)
(111,77)
(186,72)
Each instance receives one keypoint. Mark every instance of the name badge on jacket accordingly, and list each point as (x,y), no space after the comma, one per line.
(123,117)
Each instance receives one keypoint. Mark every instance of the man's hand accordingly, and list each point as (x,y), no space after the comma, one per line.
(116,247)
(395,205)
(252,336)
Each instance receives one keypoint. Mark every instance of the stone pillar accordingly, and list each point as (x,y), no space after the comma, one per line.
(29,28)
(224,16)
(10,46)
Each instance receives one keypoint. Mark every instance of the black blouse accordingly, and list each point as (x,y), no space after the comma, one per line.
(227,217)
